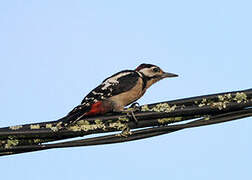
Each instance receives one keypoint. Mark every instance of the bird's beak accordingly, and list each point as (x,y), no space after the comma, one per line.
(166,75)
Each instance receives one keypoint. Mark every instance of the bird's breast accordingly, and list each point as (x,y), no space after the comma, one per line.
(130,96)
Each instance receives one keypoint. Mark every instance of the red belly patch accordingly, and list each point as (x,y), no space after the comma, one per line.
(98,108)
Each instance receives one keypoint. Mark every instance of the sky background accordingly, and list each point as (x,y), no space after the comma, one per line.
(52,53)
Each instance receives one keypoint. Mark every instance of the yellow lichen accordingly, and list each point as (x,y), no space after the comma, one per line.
(125,132)
(84,125)
(240,97)
(206,118)
(49,126)
(74,128)
(35,126)
(221,98)
(203,102)
(11,142)
(121,124)
(169,120)
(118,125)
(145,108)
(225,97)
(220,105)
(99,124)
(123,119)
(15,127)
(55,128)
(82,122)
(223,101)
(98,121)
(37,141)
(2,143)
(161,107)
(201,105)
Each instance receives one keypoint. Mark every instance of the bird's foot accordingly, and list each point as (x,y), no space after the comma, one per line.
(131,111)
(131,114)
(135,106)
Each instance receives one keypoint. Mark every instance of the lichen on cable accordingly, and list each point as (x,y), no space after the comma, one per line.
(223,100)
(241,97)
(169,120)
(84,125)
(15,127)
(35,126)
(11,142)
(161,107)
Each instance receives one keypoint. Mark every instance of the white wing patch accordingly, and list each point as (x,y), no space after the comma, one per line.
(96,93)
(113,80)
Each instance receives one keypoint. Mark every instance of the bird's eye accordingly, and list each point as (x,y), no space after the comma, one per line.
(155,70)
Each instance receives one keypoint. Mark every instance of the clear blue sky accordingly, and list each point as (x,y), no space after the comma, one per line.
(52,53)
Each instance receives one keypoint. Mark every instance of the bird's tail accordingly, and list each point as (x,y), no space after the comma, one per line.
(36,133)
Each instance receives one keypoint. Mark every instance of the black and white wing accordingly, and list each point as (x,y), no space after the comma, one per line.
(112,86)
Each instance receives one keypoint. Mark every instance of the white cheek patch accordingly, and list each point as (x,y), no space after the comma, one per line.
(147,72)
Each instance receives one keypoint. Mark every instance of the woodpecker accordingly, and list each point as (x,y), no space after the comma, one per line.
(117,91)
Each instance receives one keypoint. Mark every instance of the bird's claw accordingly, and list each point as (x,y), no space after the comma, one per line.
(135,105)
(131,115)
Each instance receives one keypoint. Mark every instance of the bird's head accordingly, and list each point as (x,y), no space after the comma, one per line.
(153,73)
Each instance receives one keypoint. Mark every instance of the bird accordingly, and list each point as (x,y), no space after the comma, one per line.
(117,92)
